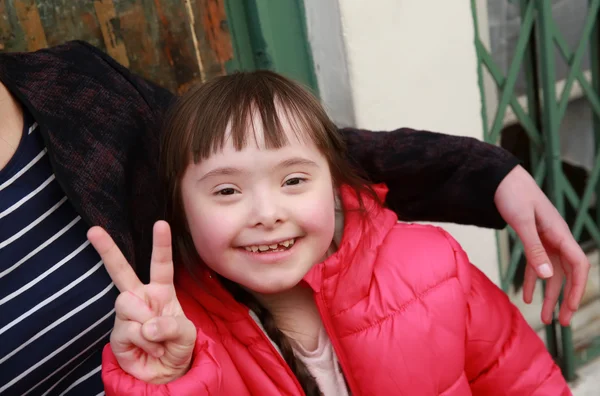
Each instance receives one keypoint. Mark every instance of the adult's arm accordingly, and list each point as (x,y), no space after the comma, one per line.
(433,176)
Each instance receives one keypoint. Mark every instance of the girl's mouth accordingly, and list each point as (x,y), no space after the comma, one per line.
(275,247)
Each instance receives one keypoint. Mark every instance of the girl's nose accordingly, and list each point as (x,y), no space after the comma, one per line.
(268,211)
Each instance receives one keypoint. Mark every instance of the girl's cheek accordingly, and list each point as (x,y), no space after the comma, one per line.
(217,227)
(211,239)
(317,214)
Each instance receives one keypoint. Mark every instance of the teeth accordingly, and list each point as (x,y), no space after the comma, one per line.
(287,243)
(264,248)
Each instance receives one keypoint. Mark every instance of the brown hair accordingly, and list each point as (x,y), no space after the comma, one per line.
(196,128)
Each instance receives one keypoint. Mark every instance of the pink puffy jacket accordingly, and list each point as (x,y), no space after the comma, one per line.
(405,310)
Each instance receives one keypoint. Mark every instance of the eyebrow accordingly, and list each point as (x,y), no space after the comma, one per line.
(225,171)
(230,171)
(295,161)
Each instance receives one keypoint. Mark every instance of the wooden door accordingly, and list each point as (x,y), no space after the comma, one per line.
(174,43)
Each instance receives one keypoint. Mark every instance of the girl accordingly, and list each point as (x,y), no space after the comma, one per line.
(298,281)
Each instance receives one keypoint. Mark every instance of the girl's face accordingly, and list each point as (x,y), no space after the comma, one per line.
(261,217)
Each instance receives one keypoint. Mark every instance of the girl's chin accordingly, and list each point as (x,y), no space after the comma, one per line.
(274,284)
(273,287)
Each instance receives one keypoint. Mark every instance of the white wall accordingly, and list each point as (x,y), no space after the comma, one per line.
(408,63)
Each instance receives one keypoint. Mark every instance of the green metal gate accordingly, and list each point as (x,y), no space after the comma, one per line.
(538,39)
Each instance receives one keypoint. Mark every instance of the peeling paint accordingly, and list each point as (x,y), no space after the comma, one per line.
(29,19)
(174,43)
(4,25)
(167,33)
(106,14)
(192,25)
(133,27)
(216,31)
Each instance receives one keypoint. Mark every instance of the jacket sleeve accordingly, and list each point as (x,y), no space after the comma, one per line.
(203,378)
(504,355)
(432,176)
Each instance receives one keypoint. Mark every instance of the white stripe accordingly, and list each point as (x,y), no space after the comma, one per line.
(51,298)
(25,169)
(30,226)
(41,247)
(100,394)
(65,376)
(27,197)
(59,321)
(67,363)
(32,128)
(80,380)
(59,350)
(33,282)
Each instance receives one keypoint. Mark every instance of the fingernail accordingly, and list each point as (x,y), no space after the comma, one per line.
(152,330)
(545,271)
(574,306)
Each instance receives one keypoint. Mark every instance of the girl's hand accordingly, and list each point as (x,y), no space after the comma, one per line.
(152,339)
(552,252)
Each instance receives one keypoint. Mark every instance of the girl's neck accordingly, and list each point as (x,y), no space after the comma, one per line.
(296,314)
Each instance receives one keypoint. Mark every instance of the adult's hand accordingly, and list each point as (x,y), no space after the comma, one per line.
(152,339)
(551,251)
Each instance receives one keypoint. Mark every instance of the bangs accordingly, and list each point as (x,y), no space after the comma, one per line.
(233,107)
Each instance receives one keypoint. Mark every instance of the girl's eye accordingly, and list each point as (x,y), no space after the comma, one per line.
(294,181)
(226,191)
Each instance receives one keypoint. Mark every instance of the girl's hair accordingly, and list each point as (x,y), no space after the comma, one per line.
(195,128)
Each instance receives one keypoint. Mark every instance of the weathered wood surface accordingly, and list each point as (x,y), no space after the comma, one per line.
(174,43)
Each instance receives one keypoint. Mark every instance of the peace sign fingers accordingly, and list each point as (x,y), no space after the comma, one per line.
(116,264)
(161,264)
(152,339)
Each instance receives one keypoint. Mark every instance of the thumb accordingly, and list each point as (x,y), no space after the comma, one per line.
(536,254)
(177,330)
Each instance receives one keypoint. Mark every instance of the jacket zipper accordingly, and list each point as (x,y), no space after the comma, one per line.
(321,305)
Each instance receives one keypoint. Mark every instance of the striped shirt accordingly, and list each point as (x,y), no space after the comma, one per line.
(56,298)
